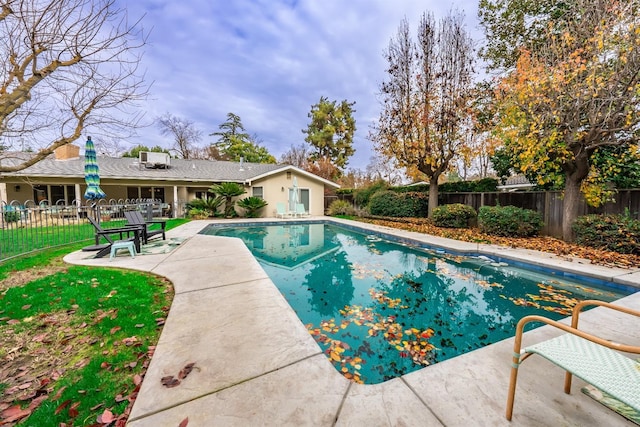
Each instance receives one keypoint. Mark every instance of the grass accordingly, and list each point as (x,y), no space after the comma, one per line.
(86,331)
(75,341)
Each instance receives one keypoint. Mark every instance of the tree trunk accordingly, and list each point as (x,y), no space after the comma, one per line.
(570,206)
(433,195)
(574,173)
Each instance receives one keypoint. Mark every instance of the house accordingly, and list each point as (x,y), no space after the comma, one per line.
(516,183)
(59,179)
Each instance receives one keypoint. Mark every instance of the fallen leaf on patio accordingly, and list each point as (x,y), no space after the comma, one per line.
(186,371)
(169,381)
(184,422)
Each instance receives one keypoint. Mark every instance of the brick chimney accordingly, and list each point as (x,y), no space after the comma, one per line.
(66,152)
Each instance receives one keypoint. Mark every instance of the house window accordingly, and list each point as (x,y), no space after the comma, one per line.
(54,194)
(257,192)
(304,198)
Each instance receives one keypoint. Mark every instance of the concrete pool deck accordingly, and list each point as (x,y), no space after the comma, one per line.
(256,364)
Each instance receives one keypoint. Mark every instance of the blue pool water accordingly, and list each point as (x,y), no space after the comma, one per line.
(379,309)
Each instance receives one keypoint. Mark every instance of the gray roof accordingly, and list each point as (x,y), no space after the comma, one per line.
(179,169)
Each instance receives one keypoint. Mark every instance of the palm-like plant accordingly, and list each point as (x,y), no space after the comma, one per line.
(209,205)
(228,190)
(252,205)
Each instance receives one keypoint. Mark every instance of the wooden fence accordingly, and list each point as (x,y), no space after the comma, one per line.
(548,203)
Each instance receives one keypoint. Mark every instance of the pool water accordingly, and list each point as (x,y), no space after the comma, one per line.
(379,309)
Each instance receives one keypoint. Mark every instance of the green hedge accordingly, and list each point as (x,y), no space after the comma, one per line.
(478,186)
(455,215)
(618,233)
(390,203)
(362,197)
(509,221)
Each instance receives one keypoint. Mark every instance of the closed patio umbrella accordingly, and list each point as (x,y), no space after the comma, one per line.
(92,173)
(294,198)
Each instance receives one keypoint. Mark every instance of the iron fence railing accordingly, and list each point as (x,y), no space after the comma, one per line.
(29,226)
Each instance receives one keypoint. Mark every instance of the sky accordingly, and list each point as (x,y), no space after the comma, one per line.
(269,61)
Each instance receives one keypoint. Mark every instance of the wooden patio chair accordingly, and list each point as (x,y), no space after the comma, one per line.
(136,218)
(108,233)
(595,360)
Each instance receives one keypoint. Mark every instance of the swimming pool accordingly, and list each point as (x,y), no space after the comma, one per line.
(379,309)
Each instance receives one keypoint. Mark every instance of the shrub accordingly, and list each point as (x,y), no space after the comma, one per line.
(341,207)
(618,233)
(390,203)
(362,197)
(455,215)
(205,207)
(197,213)
(252,206)
(509,221)
(11,216)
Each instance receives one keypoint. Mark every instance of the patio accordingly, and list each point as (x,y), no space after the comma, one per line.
(256,364)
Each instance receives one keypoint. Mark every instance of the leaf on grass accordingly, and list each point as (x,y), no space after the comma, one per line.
(37,401)
(106,417)
(139,325)
(59,393)
(137,379)
(184,422)
(14,413)
(62,406)
(73,410)
(115,329)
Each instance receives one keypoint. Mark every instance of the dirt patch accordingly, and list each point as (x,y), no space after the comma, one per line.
(20,278)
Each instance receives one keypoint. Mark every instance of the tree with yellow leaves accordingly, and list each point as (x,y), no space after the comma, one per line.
(575,94)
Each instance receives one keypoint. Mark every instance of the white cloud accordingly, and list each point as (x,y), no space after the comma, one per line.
(268,61)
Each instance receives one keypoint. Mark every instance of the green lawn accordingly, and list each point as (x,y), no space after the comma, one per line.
(75,341)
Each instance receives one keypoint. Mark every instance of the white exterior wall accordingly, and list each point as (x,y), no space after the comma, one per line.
(276,190)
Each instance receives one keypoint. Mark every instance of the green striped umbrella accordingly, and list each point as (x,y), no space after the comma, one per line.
(91,173)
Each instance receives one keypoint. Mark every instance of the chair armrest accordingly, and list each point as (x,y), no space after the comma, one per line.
(119,230)
(517,347)
(582,304)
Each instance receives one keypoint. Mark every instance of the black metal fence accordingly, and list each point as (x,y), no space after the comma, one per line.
(29,226)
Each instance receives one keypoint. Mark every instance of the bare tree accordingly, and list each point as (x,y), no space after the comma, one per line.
(383,168)
(425,99)
(66,66)
(298,156)
(184,133)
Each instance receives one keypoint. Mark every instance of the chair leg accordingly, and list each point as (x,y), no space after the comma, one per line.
(512,392)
